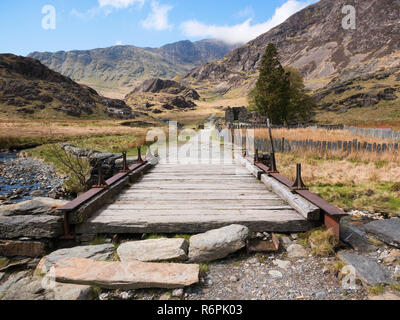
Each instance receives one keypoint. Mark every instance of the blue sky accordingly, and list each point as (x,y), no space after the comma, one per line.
(92,24)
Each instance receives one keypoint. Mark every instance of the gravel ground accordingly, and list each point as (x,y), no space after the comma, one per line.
(242,277)
(258,278)
(24,178)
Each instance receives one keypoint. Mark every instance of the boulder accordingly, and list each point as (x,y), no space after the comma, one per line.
(36,227)
(37,288)
(281,263)
(217,244)
(154,250)
(353,233)
(12,279)
(296,251)
(367,269)
(31,249)
(126,275)
(36,206)
(71,292)
(100,253)
(387,231)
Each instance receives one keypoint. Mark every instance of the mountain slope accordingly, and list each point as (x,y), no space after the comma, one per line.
(314,42)
(119,69)
(28,89)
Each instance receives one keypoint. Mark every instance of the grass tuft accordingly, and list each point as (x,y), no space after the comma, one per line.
(204,269)
(376,290)
(3,262)
(395,287)
(323,242)
(335,267)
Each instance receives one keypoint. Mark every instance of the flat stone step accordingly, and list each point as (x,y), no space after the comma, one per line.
(126,275)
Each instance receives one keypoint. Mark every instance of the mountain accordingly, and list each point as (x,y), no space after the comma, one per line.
(115,71)
(28,89)
(314,42)
(354,74)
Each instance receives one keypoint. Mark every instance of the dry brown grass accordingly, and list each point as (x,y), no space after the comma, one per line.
(316,135)
(323,242)
(340,171)
(51,128)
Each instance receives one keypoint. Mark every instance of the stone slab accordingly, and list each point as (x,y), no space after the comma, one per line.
(10,248)
(367,269)
(98,252)
(126,275)
(387,231)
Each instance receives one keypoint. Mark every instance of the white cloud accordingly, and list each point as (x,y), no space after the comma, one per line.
(120,4)
(106,7)
(244,32)
(158,17)
(119,43)
(245,13)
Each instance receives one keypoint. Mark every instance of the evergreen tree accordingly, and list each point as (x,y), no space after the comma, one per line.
(280,94)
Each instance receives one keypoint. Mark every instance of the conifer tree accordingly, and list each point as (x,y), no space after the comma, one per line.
(270,96)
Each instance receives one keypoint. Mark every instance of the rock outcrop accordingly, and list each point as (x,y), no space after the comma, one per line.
(98,252)
(167,86)
(27,87)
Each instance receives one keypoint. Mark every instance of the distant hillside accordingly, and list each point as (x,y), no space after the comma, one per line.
(119,69)
(159,96)
(28,89)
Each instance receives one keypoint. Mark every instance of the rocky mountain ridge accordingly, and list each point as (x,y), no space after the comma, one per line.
(30,89)
(119,69)
(314,41)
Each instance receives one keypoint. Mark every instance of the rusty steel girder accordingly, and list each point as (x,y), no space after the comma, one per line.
(331,215)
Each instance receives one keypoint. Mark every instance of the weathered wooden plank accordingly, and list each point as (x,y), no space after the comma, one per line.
(208,179)
(301,205)
(201,174)
(194,187)
(183,207)
(189,202)
(194,224)
(195,196)
(196,215)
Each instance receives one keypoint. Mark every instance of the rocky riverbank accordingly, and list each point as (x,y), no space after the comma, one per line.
(24,178)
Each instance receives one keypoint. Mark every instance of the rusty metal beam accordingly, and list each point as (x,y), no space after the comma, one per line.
(331,214)
(79,201)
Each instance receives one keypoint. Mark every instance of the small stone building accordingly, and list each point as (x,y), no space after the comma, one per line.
(243,115)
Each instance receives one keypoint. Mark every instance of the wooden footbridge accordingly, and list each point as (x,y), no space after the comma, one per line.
(197,194)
